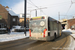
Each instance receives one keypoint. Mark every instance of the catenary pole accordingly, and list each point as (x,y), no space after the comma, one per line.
(25,16)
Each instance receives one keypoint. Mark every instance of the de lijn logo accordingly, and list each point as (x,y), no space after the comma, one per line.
(0,17)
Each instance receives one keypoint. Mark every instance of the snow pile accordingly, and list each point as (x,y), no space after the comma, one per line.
(72,33)
(13,36)
(68,30)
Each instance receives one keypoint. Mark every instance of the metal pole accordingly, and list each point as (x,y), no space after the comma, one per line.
(25,17)
(59,15)
(36,12)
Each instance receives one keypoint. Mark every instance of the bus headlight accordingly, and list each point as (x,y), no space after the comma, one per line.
(42,23)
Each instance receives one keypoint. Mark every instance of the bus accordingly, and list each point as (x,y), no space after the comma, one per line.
(44,28)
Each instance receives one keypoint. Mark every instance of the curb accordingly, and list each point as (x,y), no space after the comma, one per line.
(72,37)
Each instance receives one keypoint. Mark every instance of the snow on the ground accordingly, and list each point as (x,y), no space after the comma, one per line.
(68,30)
(72,33)
(72,44)
(13,36)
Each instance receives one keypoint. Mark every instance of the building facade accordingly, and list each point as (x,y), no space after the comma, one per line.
(21,20)
(68,23)
(6,18)
(71,23)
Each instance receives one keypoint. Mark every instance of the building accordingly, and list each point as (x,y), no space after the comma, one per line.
(7,17)
(71,23)
(21,20)
(68,23)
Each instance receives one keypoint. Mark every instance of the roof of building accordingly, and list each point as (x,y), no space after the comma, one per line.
(11,12)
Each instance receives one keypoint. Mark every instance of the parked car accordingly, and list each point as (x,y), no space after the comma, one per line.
(18,29)
(3,30)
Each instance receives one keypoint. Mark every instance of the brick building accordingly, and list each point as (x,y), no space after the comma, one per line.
(68,23)
(7,17)
(71,23)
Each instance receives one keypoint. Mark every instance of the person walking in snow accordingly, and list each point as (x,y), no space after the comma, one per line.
(8,28)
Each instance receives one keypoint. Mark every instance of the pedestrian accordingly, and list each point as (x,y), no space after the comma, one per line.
(9,29)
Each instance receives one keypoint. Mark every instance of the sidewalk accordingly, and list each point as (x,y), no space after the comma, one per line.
(13,36)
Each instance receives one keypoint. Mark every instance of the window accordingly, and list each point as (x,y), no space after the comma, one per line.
(13,19)
(51,25)
(48,24)
(55,26)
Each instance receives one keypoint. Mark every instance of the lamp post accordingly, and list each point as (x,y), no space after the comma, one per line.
(25,16)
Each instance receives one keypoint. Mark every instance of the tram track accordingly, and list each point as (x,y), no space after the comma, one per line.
(27,44)
(63,45)
(17,43)
(14,43)
(58,44)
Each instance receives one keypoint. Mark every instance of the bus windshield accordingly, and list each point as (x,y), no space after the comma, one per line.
(37,26)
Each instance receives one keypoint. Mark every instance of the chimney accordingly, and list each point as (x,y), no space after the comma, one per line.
(6,7)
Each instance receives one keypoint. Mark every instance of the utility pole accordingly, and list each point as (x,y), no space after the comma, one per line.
(36,12)
(25,16)
(59,15)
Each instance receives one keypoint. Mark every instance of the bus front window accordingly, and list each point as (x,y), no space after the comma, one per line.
(37,26)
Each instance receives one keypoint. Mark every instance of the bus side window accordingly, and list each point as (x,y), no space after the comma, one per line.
(48,24)
(51,25)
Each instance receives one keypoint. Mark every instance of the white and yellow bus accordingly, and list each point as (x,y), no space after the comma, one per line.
(44,28)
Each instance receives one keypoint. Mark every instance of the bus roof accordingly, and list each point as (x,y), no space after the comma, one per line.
(37,18)
(40,17)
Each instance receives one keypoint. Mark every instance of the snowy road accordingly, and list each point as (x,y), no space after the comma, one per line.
(13,36)
(71,32)
(23,44)
(27,44)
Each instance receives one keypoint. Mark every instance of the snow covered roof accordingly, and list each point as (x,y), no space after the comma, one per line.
(11,12)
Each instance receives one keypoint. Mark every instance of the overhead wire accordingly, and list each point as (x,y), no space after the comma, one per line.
(36,6)
(69,7)
(58,3)
(53,4)
(47,6)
